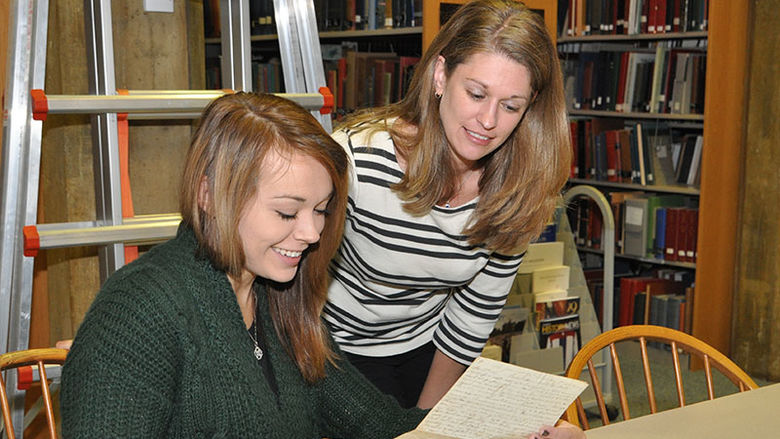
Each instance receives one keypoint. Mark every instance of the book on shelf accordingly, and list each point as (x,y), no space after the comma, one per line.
(655,202)
(554,308)
(633,290)
(681,233)
(617,203)
(541,254)
(563,332)
(511,321)
(262,19)
(642,304)
(552,277)
(586,222)
(660,79)
(549,233)
(659,241)
(594,280)
(635,226)
(659,142)
(498,399)
(639,221)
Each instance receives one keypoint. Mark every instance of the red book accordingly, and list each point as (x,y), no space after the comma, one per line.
(652,8)
(342,82)
(682,235)
(350,12)
(595,226)
(691,226)
(624,139)
(383,89)
(587,86)
(629,288)
(660,17)
(405,70)
(627,13)
(695,234)
(621,98)
(590,168)
(676,14)
(643,25)
(571,15)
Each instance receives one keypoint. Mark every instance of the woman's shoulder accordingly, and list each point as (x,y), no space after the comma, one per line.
(156,278)
(364,133)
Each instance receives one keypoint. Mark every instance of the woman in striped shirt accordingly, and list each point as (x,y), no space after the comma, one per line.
(448,187)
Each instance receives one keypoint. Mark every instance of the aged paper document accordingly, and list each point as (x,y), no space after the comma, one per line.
(498,400)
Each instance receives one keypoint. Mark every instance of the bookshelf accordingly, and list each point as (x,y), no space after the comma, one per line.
(378,52)
(721,124)
(722,127)
(338,25)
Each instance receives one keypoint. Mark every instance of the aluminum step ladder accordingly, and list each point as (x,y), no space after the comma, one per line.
(27,106)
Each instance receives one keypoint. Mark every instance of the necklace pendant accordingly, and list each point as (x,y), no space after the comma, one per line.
(258,352)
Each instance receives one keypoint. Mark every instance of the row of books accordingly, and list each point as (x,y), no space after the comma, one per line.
(647,225)
(331,15)
(367,79)
(356,79)
(267,76)
(335,15)
(662,79)
(655,301)
(630,303)
(647,154)
(594,17)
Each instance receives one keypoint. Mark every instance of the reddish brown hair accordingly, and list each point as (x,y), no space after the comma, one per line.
(228,148)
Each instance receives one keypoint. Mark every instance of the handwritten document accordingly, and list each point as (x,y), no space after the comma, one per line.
(498,400)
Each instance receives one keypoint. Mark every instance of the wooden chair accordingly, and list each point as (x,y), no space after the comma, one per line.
(678,340)
(31,357)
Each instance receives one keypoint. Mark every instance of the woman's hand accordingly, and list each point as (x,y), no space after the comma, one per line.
(64,344)
(563,430)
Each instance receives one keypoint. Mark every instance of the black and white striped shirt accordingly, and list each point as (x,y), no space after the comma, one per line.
(400,281)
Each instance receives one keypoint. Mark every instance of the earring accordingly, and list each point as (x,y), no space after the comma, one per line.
(437,95)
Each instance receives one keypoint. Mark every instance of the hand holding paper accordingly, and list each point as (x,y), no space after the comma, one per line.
(498,400)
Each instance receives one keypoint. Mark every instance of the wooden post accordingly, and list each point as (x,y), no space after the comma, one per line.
(756,319)
(724,115)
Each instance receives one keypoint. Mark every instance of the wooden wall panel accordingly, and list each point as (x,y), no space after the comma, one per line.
(756,330)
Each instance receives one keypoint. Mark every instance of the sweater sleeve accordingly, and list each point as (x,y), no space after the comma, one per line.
(473,309)
(352,407)
(119,377)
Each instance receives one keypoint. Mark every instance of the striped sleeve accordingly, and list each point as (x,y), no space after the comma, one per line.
(473,309)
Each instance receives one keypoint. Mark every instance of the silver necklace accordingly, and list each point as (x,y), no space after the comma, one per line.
(448,204)
(258,351)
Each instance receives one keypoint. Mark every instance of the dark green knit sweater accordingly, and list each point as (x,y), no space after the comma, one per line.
(163,352)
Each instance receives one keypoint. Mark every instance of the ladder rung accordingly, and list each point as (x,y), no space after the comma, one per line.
(26,375)
(171,103)
(138,230)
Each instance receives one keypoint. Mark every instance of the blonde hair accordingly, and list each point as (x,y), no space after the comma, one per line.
(228,148)
(521,181)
